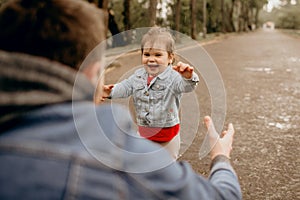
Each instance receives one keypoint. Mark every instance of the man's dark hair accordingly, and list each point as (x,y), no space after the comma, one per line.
(61,30)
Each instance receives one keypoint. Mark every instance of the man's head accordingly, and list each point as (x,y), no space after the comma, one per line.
(61,30)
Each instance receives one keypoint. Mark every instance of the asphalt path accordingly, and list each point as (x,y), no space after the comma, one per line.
(261,74)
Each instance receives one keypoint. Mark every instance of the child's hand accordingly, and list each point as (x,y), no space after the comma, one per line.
(106,91)
(184,69)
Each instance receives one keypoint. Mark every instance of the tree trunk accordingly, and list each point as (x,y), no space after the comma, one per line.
(152,12)
(118,39)
(241,16)
(231,15)
(256,16)
(204,19)
(177,20)
(246,16)
(103,4)
(193,18)
(177,15)
(126,14)
(126,20)
(223,16)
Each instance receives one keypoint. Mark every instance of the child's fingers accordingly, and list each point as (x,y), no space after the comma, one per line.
(108,87)
(176,68)
(111,86)
(184,67)
(190,69)
(179,63)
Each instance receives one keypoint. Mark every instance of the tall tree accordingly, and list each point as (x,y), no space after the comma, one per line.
(241,15)
(126,20)
(231,15)
(118,39)
(193,18)
(177,14)
(152,12)
(126,14)
(223,20)
(103,4)
(257,5)
(204,18)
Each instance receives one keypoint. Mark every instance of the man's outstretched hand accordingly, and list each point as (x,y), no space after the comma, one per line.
(219,144)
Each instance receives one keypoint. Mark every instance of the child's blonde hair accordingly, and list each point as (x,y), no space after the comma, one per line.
(161,35)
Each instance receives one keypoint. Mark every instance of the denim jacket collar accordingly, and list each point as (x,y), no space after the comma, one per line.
(165,74)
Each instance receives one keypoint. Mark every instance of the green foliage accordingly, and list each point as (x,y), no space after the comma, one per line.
(221,15)
(2,2)
(214,16)
(185,17)
(138,13)
(284,17)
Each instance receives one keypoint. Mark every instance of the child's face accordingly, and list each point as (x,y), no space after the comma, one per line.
(156,59)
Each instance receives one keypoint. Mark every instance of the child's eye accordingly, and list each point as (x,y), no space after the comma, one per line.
(146,54)
(158,54)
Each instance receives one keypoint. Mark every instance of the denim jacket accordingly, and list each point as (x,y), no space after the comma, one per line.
(155,105)
(42,157)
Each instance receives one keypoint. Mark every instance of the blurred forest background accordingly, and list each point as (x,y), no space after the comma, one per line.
(197,18)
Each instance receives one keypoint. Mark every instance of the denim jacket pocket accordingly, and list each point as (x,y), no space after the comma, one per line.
(140,97)
(159,92)
(138,86)
(139,89)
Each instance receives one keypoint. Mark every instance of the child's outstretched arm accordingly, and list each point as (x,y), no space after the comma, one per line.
(184,69)
(188,80)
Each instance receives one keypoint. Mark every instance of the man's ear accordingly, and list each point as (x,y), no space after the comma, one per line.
(92,72)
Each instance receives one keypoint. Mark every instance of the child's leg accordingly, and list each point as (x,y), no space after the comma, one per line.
(173,146)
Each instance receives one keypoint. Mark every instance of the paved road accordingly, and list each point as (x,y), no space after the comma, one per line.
(261,72)
(258,90)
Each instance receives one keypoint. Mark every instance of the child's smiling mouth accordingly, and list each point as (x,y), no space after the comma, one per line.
(152,65)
